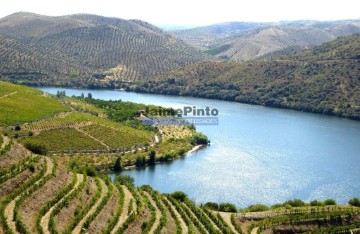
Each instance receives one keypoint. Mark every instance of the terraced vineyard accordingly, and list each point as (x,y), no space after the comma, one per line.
(39,195)
(66,194)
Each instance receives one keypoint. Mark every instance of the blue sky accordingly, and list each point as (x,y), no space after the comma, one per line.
(194,12)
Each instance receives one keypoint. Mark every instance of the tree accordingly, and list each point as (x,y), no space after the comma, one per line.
(227,207)
(125,180)
(180,196)
(330,202)
(354,202)
(82,95)
(117,166)
(152,156)
(140,161)
(89,96)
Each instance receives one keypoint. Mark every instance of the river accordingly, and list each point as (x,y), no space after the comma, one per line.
(257,154)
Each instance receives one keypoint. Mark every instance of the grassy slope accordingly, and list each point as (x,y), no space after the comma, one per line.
(324,79)
(25,105)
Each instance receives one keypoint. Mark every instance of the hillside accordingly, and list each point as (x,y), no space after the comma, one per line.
(253,40)
(81,50)
(324,79)
(63,192)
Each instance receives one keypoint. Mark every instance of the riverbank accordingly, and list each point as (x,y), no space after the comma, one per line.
(194,149)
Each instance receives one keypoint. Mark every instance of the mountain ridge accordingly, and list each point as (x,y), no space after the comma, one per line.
(97,50)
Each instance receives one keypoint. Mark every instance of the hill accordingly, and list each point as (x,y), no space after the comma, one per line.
(63,192)
(241,41)
(324,79)
(81,50)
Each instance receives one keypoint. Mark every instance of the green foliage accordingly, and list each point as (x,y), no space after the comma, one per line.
(295,203)
(354,202)
(117,166)
(140,161)
(316,203)
(36,147)
(258,207)
(199,139)
(212,205)
(180,196)
(152,157)
(125,180)
(25,104)
(330,202)
(227,207)
(61,140)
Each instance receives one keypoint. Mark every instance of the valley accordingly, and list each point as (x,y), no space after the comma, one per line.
(81,150)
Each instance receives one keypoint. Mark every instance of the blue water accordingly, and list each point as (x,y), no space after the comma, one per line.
(257,154)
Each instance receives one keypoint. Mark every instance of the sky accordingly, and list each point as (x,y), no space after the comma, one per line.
(193,12)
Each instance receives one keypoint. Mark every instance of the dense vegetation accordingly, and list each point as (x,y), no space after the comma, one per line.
(324,80)
(86,50)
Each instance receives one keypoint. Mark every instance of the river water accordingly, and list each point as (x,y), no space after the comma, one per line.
(257,154)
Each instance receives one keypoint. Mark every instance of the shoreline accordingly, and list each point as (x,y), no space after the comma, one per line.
(194,149)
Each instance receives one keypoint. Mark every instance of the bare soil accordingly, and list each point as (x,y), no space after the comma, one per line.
(11,157)
(170,225)
(124,214)
(106,214)
(182,222)
(63,219)
(104,191)
(11,184)
(32,205)
(135,227)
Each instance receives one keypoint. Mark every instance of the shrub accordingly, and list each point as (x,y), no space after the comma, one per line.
(258,207)
(330,202)
(180,196)
(17,128)
(212,205)
(117,166)
(125,180)
(90,171)
(295,203)
(36,148)
(199,139)
(354,202)
(227,207)
(316,203)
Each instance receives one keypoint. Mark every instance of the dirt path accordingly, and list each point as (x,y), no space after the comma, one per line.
(254,230)
(227,218)
(125,210)
(183,225)
(6,141)
(45,219)
(9,209)
(157,212)
(95,139)
(104,191)
(7,95)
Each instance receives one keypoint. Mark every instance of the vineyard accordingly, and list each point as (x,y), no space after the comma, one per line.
(47,198)
(18,108)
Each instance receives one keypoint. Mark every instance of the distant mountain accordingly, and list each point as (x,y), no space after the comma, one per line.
(242,41)
(325,79)
(87,49)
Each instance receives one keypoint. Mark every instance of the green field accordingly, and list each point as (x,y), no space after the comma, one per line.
(118,137)
(64,139)
(25,105)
